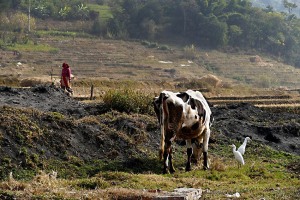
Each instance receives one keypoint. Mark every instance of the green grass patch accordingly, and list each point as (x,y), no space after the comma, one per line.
(56,33)
(128,100)
(103,10)
(31,46)
(92,183)
(263,176)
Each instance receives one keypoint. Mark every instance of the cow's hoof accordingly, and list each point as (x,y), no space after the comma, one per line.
(172,170)
(188,168)
(205,167)
(194,160)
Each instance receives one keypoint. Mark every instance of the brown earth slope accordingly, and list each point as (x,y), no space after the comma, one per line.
(95,58)
(48,122)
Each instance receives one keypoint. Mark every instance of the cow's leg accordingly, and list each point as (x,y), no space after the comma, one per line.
(197,149)
(171,168)
(205,148)
(167,156)
(166,160)
(189,155)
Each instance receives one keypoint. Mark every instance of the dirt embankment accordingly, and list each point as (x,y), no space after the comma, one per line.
(45,121)
(59,126)
(280,130)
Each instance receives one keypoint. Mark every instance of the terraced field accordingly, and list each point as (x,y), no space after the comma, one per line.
(267,72)
(260,101)
(129,60)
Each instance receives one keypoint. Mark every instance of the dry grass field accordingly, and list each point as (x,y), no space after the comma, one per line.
(115,64)
(94,58)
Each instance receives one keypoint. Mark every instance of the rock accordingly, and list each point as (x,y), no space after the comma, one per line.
(181,194)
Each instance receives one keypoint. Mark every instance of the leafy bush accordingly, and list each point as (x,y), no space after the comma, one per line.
(265,81)
(16,22)
(150,44)
(164,47)
(127,100)
(145,43)
(93,183)
(96,28)
(155,45)
(190,52)
(194,84)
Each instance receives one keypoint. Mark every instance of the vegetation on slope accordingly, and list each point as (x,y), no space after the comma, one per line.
(214,24)
(291,7)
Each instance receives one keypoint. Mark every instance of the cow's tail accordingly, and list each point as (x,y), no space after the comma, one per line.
(163,123)
(162,140)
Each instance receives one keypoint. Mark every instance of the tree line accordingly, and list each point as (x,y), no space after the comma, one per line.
(210,23)
(207,23)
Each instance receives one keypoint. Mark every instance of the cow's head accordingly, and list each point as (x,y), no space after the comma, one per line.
(191,116)
(156,104)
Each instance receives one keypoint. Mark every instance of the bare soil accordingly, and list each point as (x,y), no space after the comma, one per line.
(93,131)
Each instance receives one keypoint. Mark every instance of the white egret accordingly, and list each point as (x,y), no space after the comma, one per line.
(238,156)
(242,148)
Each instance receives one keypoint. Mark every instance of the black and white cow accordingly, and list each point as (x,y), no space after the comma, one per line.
(185,115)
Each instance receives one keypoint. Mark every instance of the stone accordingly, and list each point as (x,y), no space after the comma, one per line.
(181,194)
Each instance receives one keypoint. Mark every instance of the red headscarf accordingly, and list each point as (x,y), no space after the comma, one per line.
(64,65)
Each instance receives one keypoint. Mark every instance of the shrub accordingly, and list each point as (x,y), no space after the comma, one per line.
(30,82)
(193,84)
(17,22)
(93,183)
(150,44)
(96,28)
(127,100)
(190,52)
(264,81)
(164,47)
(145,43)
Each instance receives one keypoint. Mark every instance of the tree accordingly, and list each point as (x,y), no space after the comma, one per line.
(289,6)
(234,33)
(189,11)
(5,4)
(149,16)
(213,32)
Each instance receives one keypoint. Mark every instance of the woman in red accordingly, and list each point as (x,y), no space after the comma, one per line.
(66,77)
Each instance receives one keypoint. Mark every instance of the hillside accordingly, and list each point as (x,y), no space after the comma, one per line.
(93,58)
